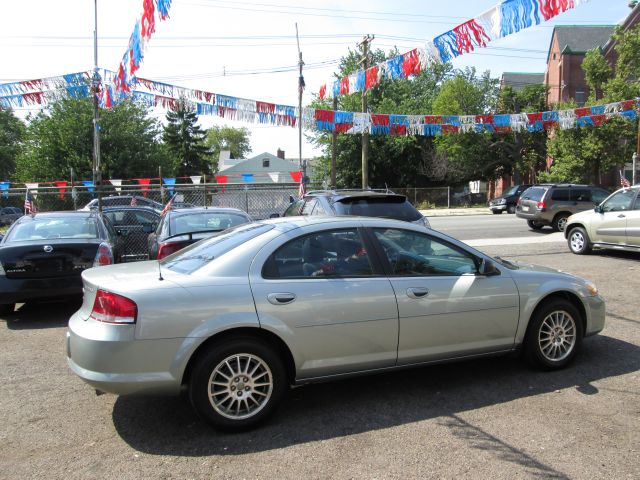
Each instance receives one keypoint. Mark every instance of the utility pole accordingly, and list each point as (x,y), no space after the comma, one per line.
(365,133)
(334,147)
(95,89)
(303,165)
(634,162)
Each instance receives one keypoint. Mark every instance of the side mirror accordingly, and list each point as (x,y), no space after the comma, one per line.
(598,209)
(488,268)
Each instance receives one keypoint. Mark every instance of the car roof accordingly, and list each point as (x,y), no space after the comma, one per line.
(290,223)
(63,213)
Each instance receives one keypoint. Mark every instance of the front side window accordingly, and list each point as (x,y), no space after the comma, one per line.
(581,195)
(416,254)
(619,201)
(334,253)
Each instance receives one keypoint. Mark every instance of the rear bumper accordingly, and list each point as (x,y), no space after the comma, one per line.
(110,359)
(13,290)
(535,216)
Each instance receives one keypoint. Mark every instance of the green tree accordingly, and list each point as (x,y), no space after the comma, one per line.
(60,138)
(12,133)
(236,140)
(597,72)
(625,84)
(185,140)
(583,155)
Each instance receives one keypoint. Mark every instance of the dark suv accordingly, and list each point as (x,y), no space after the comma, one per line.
(507,202)
(551,204)
(367,203)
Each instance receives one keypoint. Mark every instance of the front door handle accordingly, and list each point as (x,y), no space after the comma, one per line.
(417,292)
(281,298)
(622,215)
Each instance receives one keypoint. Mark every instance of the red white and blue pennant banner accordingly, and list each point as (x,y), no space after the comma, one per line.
(506,18)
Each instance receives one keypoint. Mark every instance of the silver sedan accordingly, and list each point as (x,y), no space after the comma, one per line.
(237,318)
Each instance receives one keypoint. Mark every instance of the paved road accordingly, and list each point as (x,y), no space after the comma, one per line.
(493,418)
(486,226)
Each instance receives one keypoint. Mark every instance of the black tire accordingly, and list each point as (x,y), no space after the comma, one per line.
(496,212)
(533,225)
(578,241)
(511,209)
(559,222)
(554,335)
(7,308)
(260,377)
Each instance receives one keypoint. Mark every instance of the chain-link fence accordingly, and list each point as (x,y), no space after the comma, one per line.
(259,201)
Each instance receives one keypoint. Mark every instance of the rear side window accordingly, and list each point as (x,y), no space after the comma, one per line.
(581,194)
(534,193)
(388,207)
(560,194)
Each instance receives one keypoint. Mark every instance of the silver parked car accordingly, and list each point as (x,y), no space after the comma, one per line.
(614,224)
(237,318)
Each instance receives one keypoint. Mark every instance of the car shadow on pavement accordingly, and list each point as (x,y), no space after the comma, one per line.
(167,426)
(38,315)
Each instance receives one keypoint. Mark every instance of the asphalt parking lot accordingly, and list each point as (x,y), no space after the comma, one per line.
(492,418)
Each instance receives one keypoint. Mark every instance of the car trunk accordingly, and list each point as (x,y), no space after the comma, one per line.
(28,260)
(529,199)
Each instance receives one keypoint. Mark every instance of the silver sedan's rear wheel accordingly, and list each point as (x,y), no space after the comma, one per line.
(236,384)
(554,335)
(578,241)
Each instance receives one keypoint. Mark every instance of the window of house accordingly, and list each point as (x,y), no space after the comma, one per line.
(265,163)
(580,98)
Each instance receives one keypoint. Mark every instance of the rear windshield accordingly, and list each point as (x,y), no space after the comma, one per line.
(396,207)
(197,255)
(533,193)
(33,229)
(205,221)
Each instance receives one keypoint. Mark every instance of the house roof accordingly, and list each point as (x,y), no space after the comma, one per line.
(519,80)
(580,38)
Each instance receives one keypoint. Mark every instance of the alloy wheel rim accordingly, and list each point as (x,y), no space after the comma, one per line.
(577,242)
(562,223)
(557,336)
(240,386)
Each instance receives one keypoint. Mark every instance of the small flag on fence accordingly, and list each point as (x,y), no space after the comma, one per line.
(134,201)
(29,204)
(301,189)
(624,183)
(168,206)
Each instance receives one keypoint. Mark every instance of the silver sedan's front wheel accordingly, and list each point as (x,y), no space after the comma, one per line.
(557,336)
(237,383)
(554,335)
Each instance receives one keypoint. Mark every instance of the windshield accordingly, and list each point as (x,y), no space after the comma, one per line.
(396,207)
(197,255)
(511,191)
(33,229)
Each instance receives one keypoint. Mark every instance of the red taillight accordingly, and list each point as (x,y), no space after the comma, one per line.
(104,256)
(167,249)
(111,308)
(542,206)
(519,201)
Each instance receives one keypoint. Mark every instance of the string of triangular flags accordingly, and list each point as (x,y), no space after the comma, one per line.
(505,18)
(157,94)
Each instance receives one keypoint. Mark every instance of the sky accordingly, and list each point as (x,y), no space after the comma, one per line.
(247,49)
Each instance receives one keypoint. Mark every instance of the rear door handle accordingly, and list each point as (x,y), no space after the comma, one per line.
(417,292)
(281,298)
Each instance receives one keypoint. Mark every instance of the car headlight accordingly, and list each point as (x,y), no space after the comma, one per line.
(502,201)
(591,288)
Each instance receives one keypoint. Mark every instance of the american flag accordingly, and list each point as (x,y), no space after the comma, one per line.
(168,206)
(301,189)
(29,204)
(624,183)
(134,201)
